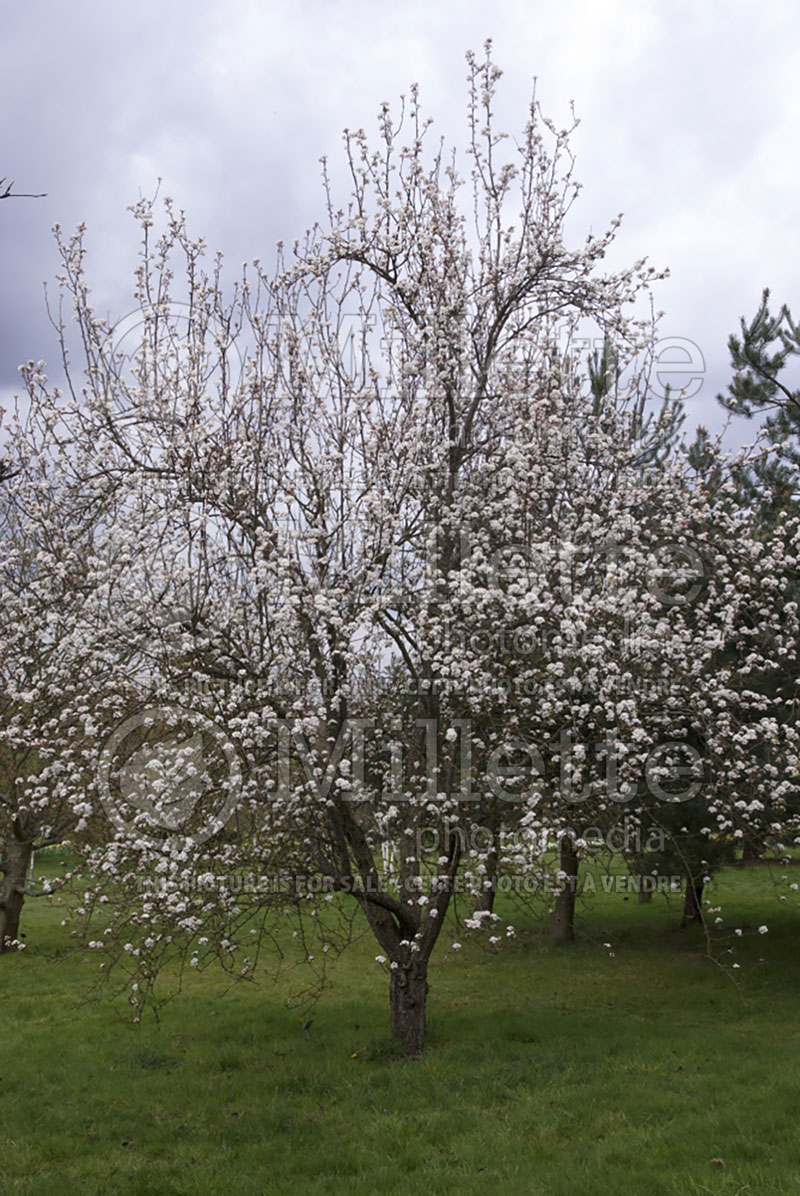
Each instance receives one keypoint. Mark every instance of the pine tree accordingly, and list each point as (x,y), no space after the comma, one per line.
(762,353)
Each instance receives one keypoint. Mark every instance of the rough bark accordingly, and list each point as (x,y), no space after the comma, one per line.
(564,914)
(16,861)
(692,902)
(408,991)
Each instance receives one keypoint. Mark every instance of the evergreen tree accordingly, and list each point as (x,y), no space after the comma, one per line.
(759,358)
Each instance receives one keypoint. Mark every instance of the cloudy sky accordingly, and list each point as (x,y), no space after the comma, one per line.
(689,125)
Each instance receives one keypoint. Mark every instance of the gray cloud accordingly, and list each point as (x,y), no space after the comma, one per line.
(688,125)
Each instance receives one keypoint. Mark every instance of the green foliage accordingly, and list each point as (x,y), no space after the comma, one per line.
(691,847)
(654,429)
(759,357)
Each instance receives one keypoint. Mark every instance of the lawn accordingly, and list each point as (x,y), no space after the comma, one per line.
(637,1069)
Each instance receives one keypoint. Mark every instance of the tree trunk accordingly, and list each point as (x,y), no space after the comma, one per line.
(486,900)
(645,887)
(408,991)
(564,915)
(692,902)
(16,862)
(752,851)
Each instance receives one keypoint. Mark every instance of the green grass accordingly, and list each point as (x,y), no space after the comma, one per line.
(549,1070)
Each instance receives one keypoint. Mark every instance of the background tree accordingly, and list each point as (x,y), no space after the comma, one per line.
(760,387)
(761,357)
(46,748)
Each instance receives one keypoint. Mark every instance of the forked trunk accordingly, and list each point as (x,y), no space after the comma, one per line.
(16,862)
(692,902)
(408,992)
(564,914)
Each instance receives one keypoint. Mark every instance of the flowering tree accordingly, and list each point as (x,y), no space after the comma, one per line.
(46,754)
(367,535)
